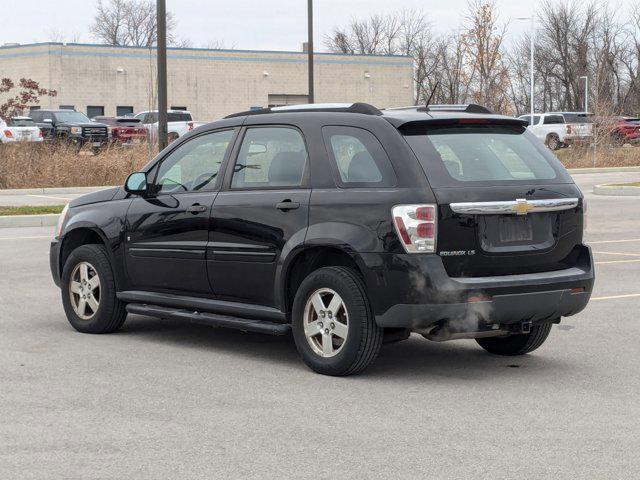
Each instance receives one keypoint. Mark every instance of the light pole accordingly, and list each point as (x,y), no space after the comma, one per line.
(532,18)
(161,11)
(311,98)
(586,93)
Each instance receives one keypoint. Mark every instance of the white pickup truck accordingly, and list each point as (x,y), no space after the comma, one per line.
(19,129)
(560,129)
(179,122)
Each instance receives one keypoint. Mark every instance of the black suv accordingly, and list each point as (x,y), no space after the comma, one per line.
(347,225)
(71,126)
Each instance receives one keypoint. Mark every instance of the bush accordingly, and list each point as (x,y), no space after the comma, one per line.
(45,165)
(605,156)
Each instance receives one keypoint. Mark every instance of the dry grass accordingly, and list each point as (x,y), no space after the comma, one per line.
(41,165)
(605,156)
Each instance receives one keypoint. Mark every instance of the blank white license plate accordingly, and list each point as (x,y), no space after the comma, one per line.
(96,144)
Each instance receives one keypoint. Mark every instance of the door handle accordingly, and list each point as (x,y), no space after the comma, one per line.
(197,208)
(287,205)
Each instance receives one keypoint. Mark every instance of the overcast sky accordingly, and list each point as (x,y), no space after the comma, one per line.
(243,24)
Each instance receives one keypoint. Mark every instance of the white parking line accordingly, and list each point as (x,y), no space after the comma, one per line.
(617,261)
(612,297)
(47,196)
(619,253)
(25,238)
(615,241)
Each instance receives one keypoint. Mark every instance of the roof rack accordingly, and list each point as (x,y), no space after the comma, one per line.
(363,108)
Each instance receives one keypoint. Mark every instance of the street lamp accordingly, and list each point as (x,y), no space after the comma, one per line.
(532,18)
(586,93)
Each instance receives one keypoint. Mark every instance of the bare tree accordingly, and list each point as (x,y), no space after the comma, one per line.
(130,23)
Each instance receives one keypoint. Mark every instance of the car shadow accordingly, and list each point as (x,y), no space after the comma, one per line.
(415,358)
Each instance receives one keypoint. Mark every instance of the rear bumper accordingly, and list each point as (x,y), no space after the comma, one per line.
(425,295)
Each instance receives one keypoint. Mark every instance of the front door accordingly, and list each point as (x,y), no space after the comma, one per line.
(168,231)
(263,212)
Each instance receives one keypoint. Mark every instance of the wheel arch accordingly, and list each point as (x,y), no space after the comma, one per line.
(311,258)
(78,236)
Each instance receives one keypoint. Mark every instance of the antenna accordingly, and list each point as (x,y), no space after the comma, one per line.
(433,92)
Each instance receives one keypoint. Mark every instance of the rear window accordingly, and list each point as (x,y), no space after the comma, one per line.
(178,117)
(20,122)
(484,155)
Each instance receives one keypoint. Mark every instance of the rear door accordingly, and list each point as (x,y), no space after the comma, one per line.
(263,210)
(168,231)
(506,204)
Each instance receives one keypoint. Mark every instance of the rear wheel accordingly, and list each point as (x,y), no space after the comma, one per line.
(553,142)
(333,326)
(89,291)
(517,344)
(172,137)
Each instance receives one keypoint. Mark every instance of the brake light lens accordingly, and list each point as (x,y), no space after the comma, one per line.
(584,214)
(8,134)
(569,129)
(416,226)
(39,133)
(190,125)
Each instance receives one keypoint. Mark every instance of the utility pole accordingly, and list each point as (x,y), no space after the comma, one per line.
(586,93)
(161,11)
(310,49)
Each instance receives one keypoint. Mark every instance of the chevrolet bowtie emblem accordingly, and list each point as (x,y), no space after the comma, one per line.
(522,207)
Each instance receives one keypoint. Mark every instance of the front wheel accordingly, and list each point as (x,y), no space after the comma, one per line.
(89,291)
(516,344)
(333,326)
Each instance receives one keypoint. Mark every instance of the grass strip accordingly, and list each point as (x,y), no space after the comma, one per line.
(39,210)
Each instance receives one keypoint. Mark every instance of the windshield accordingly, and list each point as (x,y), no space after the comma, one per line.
(484,155)
(20,122)
(71,117)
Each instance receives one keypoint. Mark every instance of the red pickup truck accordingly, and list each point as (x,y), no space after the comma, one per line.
(124,130)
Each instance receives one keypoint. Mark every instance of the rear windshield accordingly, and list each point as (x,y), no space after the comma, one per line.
(178,117)
(20,122)
(455,156)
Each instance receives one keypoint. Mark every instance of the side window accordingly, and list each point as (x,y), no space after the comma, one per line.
(270,157)
(194,165)
(36,115)
(536,119)
(553,119)
(358,157)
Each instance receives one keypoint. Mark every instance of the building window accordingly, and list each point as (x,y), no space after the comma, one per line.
(183,109)
(31,109)
(95,111)
(67,107)
(124,111)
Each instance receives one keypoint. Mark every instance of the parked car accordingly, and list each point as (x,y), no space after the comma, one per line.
(179,122)
(560,129)
(19,129)
(622,130)
(72,127)
(342,224)
(124,130)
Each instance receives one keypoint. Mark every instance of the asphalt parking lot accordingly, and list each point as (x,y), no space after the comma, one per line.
(162,399)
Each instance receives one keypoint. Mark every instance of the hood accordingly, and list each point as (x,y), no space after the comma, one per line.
(84,124)
(95,197)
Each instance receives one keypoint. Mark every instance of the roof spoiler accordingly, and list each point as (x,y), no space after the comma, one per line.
(363,108)
(468,108)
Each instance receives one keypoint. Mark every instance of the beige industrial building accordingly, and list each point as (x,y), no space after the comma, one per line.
(101,79)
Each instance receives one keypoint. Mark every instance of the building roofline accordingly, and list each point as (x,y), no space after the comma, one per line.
(224,50)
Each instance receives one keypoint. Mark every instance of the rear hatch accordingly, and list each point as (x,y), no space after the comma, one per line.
(506,205)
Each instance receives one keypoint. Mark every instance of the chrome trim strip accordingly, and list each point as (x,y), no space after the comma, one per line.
(511,207)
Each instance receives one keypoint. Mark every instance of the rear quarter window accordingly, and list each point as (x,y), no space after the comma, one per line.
(484,155)
(357,158)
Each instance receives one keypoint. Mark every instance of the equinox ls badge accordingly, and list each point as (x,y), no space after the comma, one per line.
(522,207)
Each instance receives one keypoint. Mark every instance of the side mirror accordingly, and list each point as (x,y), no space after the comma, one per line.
(136,183)
(47,120)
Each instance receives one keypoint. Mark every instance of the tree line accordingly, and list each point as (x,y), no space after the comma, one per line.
(476,64)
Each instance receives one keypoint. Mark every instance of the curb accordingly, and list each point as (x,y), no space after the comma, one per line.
(618,190)
(13,221)
(604,170)
(50,190)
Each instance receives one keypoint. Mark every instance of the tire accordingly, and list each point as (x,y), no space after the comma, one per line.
(517,344)
(110,313)
(362,339)
(553,142)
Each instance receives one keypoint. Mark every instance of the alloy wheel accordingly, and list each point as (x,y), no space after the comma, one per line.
(84,290)
(326,322)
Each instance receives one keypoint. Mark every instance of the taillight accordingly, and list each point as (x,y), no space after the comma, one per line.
(190,125)
(8,134)
(569,129)
(39,133)
(584,214)
(416,225)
